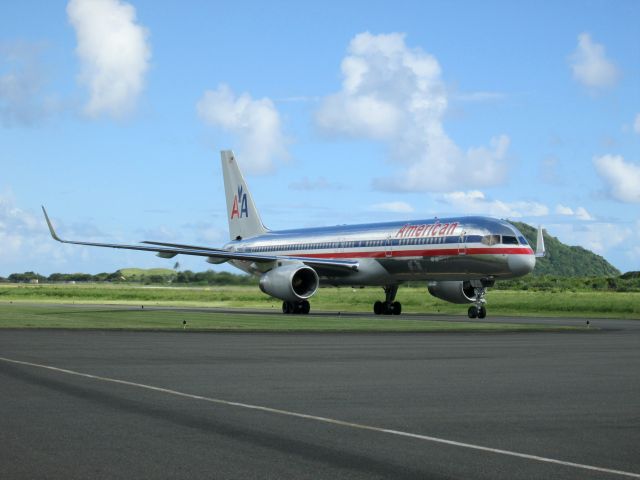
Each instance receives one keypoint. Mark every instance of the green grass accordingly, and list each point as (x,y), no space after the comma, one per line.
(416,300)
(121,317)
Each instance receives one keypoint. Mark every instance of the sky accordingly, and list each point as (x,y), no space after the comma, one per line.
(113,113)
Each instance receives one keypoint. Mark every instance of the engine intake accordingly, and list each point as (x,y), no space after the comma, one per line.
(453,291)
(291,283)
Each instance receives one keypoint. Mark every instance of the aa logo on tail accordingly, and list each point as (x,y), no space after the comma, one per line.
(240,200)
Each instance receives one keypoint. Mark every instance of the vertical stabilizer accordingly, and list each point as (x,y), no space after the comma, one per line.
(244,220)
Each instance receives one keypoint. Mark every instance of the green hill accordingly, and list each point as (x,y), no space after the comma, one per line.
(566,261)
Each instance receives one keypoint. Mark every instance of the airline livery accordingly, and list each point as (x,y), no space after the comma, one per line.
(459,257)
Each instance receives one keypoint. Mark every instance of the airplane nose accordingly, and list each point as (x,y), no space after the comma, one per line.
(521,264)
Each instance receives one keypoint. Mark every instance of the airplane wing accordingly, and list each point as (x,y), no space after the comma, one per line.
(170,250)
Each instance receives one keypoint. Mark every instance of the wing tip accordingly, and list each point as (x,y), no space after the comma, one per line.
(50,225)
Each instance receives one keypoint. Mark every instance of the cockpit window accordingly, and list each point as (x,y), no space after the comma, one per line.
(491,239)
(509,240)
(523,241)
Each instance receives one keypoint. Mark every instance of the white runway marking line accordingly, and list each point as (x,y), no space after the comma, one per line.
(329,420)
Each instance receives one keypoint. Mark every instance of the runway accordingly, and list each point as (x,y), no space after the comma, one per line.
(564,397)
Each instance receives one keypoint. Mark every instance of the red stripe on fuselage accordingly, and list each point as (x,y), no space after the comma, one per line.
(419,253)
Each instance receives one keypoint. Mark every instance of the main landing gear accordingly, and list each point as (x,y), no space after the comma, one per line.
(480,288)
(302,307)
(388,307)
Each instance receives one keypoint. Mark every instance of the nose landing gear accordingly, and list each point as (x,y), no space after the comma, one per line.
(480,288)
(477,312)
(389,306)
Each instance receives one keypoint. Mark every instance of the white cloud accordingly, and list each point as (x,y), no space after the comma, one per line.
(114,54)
(563,210)
(24,238)
(636,124)
(255,122)
(590,65)
(475,202)
(596,236)
(25,243)
(395,94)
(396,207)
(622,178)
(580,213)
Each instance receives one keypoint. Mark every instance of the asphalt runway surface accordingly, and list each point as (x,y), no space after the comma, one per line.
(118,404)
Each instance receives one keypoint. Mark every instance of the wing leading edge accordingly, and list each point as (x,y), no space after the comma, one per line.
(169,250)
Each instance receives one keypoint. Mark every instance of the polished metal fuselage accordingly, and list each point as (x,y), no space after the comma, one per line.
(395,252)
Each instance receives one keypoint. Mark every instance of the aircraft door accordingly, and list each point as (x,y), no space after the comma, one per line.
(462,244)
(387,247)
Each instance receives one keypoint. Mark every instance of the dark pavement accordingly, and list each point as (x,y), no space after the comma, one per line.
(573,397)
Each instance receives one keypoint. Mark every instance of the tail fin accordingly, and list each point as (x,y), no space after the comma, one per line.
(244,220)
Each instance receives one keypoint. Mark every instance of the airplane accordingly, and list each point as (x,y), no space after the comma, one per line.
(459,257)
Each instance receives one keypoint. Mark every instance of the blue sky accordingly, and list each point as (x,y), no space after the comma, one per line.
(112,114)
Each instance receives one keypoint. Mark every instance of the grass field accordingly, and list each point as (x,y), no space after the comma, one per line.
(19,315)
(416,300)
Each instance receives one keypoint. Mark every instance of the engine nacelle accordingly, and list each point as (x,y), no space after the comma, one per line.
(291,283)
(453,291)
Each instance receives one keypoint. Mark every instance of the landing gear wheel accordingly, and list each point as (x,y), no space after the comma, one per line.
(388,307)
(480,289)
(397,308)
(302,307)
(377,308)
(305,307)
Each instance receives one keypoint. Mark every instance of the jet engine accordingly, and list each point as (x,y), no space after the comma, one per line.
(453,291)
(291,283)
